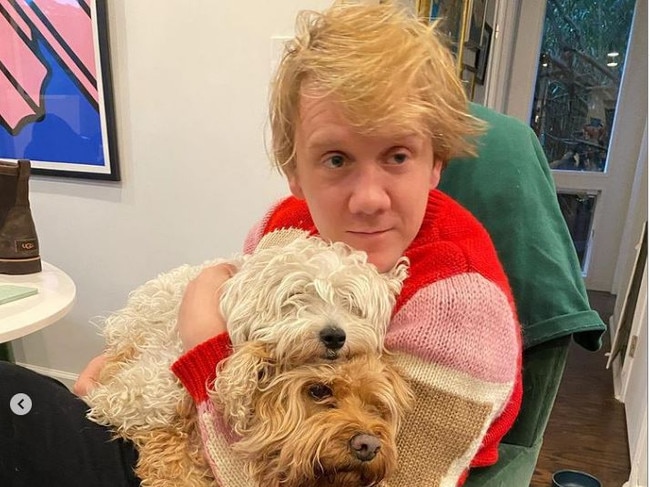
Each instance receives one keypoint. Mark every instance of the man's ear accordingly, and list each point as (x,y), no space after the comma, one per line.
(294,185)
(435,172)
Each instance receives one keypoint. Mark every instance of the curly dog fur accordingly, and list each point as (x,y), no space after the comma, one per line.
(276,305)
(326,424)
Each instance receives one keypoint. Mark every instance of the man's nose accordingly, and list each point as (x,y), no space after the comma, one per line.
(369,192)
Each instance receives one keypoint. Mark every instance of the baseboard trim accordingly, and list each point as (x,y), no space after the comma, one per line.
(68,378)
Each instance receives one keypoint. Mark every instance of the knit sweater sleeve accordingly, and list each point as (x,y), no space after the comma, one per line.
(457,338)
(196,369)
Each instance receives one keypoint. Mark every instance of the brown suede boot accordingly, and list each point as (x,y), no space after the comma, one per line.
(19,252)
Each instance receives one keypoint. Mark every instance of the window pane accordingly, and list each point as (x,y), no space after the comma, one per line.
(578,211)
(578,78)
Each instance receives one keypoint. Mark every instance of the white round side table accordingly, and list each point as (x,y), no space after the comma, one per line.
(55,298)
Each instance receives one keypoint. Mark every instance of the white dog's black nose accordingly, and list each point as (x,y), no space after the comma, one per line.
(332,337)
(365,447)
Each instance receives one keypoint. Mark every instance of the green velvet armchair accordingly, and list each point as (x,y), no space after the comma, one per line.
(509,188)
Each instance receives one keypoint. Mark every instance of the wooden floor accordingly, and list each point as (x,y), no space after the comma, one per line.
(586,430)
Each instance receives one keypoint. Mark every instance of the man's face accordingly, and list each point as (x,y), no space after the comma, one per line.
(368,191)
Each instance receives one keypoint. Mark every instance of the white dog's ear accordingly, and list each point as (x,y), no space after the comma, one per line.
(396,276)
(239,377)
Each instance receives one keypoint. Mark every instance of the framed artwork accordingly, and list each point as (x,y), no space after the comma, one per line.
(450,12)
(56,104)
(475,23)
(483,54)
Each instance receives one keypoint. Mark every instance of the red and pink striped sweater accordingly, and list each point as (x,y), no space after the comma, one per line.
(457,337)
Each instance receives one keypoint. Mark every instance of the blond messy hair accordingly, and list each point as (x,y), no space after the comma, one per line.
(386,69)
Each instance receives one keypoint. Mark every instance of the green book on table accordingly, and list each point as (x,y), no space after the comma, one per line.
(10,292)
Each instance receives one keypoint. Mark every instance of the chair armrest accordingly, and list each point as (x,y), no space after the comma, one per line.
(515,468)
(518,452)
(542,374)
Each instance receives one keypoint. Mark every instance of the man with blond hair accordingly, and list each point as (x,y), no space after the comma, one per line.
(366,110)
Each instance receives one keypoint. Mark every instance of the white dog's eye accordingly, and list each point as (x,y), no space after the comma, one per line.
(293,299)
(320,391)
(354,309)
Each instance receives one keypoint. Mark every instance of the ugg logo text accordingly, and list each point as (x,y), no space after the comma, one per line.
(26,245)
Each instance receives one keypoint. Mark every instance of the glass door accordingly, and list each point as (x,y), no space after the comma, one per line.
(579,78)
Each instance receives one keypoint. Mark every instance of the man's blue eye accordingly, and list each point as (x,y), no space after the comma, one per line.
(336,160)
(400,158)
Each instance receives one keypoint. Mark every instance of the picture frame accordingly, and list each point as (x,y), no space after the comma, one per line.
(483,53)
(475,23)
(450,12)
(57,79)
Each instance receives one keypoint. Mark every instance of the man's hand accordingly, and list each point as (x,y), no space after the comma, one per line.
(199,317)
(87,380)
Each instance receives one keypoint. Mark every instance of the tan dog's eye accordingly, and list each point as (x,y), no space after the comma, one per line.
(320,391)
(382,411)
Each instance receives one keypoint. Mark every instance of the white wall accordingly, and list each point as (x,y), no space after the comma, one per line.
(190,83)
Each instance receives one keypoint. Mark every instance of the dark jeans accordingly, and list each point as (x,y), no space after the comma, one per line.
(54,444)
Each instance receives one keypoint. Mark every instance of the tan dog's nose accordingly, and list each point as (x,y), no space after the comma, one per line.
(332,337)
(365,447)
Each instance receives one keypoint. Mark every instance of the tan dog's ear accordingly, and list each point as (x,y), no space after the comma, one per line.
(239,377)
(402,393)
